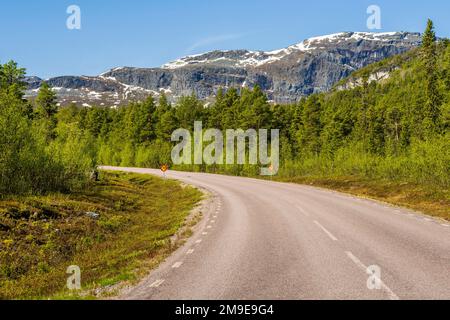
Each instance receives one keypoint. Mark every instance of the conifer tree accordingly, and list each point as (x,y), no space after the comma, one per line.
(46,108)
(11,78)
(215,112)
(310,133)
(46,102)
(433,100)
(165,119)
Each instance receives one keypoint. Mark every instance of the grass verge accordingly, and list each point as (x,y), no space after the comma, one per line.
(431,201)
(41,236)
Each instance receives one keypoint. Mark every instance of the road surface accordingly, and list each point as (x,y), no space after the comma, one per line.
(269,240)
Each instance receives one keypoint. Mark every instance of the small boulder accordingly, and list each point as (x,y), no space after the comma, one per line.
(93,215)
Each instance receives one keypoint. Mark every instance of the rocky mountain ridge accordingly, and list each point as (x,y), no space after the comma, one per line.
(286,75)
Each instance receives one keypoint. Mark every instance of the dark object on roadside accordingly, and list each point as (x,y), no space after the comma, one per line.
(16,214)
(94,175)
(42,214)
(4,227)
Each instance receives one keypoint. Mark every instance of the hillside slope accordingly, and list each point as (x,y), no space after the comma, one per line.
(285,75)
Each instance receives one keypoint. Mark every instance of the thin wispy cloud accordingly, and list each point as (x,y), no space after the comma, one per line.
(214,40)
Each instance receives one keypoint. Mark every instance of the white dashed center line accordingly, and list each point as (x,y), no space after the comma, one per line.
(204,233)
(390,293)
(332,237)
(302,211)
(190,251)
(177,265)
(198,241)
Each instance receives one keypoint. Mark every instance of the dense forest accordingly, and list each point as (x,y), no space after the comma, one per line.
(395,129)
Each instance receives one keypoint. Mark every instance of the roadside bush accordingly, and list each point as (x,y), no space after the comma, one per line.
(29,164)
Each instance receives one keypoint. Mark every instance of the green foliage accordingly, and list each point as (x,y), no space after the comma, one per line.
(33,158)
(376,130)
(431,120)
(11,79)
(397,128)
(46,102)
(153,155)
(309,135)
(164,119)
(46,110)
(188,110)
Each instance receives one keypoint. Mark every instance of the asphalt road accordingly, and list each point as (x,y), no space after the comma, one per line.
(269,240)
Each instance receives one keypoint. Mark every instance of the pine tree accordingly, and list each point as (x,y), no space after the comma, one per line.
(433,100)
(11,81)
(255,110)
(312,126)
(11,78)
(46,108)
(229,107)
(164,119)
(215,112)
(46,102)
(365,128)
(163,104)
(143,121)
(188,110)
(166,126)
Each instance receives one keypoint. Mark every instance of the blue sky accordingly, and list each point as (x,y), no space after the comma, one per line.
(148,33)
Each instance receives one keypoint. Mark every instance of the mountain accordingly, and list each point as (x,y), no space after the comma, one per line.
(286,75)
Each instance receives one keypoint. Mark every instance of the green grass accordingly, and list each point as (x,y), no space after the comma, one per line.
(425,195)
(41,236)
(433,201)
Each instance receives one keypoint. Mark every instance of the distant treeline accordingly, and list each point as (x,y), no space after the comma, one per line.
(396,129)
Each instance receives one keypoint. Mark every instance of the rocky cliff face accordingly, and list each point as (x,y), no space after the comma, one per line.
(286,75)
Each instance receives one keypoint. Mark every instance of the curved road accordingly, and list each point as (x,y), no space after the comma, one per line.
(270,240)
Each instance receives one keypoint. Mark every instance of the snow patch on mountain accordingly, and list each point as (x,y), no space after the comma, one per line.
(259,58)
(313,65)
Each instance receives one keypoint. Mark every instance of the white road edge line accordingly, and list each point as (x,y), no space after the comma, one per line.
(391,294)
(177,265)
(157,283)
(326,231)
